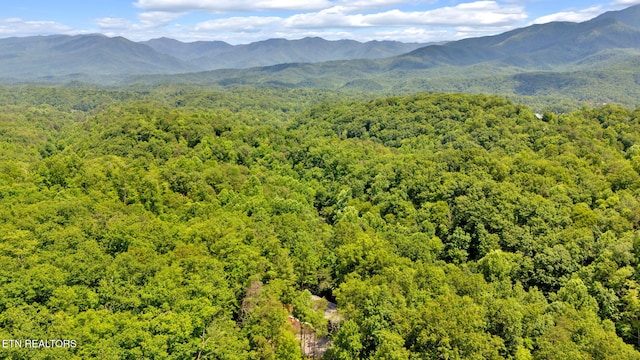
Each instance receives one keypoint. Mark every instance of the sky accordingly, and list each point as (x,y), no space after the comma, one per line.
(246,21)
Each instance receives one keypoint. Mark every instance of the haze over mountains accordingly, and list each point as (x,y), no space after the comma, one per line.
(36,57)
(602,53)
(545,46)
(210,55)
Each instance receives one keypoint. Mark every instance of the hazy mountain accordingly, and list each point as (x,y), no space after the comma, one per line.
(558,46)
(591,61)
(187,51)
(220,55)
(100,58)
(545,46)
(628,16)
(605,46)
(94,55)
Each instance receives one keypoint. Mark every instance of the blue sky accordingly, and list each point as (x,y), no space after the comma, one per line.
(245,21)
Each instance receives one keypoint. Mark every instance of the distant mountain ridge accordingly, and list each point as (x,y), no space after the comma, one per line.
(62,56)
(594,62)
(628,16)
(557,46)
(520,61)
(544,46)
(212,55)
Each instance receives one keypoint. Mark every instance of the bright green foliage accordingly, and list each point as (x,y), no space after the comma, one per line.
(188,223)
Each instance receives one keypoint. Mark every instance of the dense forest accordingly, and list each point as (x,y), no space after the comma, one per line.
(185,223)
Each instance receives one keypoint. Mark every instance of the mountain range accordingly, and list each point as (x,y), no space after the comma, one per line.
(545,46)
(35,57)
(210,55)
(96,55)
(579,59)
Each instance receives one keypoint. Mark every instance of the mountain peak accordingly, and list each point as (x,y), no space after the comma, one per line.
(629,16)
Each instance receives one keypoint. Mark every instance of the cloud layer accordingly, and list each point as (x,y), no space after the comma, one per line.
(243,21)
(356,19)
(480,13)
(573,16)
(20,27)
(216,6)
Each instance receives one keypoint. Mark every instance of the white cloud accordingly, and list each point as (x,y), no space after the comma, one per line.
(336,22)
(147,20)
(573,16)
(238,24)
(477,13)
(334,17)
(409,34)
(354,6)
(150,25)
(109,23)
(464,32)
(157,18)
(472,19)
(626,2)
(361,20)
(218,6)
(480,13)
(20,27)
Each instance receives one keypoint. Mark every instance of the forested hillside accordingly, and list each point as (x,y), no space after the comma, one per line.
(179,224)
